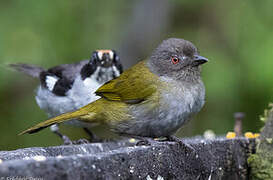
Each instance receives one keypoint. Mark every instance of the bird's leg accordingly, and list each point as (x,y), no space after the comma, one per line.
(184,145)
(55,129)
(93,137)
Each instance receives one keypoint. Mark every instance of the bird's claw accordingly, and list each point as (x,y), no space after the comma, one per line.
(66,140)
(143,142)
(81,141)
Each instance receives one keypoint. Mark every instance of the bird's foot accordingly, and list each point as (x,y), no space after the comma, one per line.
(181,143)
(66,140)
(81,141)
(144,141)
(55,129)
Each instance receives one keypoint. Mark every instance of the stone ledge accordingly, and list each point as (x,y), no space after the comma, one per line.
(215,159)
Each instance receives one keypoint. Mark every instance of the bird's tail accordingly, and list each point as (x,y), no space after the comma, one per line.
(31,70)
(56,120)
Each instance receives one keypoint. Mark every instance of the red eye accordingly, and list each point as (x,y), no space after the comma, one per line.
(175,60)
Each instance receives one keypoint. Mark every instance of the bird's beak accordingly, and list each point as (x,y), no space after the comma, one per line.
(105,57)
(198,60)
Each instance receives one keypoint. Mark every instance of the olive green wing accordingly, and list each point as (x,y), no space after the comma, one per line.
(133,86)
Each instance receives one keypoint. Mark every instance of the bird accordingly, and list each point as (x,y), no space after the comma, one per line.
(152,99)
(67,87)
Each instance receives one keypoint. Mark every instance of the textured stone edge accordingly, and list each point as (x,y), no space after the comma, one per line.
(218,158)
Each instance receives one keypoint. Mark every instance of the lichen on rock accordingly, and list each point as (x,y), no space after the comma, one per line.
(261,163)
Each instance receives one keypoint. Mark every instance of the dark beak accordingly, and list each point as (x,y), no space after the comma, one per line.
(198,60)
(106,60)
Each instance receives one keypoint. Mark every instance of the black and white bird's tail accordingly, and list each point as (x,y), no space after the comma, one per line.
(31,70)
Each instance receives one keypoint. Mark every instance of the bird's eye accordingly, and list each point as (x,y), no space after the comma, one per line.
(175,60)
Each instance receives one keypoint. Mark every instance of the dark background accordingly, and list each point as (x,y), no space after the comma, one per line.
(237,37)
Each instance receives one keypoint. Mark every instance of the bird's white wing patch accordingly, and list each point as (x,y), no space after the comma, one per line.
(51,81)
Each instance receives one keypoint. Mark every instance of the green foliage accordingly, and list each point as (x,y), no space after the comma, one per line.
(261,166)
(264,117)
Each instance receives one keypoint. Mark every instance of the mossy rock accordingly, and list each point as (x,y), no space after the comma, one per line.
(261,163)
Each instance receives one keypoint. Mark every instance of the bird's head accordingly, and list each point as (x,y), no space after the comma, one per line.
(105,58)
(104,65)
(177,59)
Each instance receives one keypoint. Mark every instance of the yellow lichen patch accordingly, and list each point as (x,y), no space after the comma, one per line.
(269,140)
(256,135)
(132,140)
(231,135)
(249,135)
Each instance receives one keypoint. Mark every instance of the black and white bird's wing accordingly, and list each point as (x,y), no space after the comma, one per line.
(59,79)
(68,71)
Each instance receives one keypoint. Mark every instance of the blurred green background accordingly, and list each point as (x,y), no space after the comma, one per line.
(237,37)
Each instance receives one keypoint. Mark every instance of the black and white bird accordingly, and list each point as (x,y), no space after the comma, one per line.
(68,87)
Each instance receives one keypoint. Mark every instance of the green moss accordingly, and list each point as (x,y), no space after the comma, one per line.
(264,117)
(261,165)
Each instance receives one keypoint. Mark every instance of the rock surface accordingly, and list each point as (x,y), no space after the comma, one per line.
(211,159)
